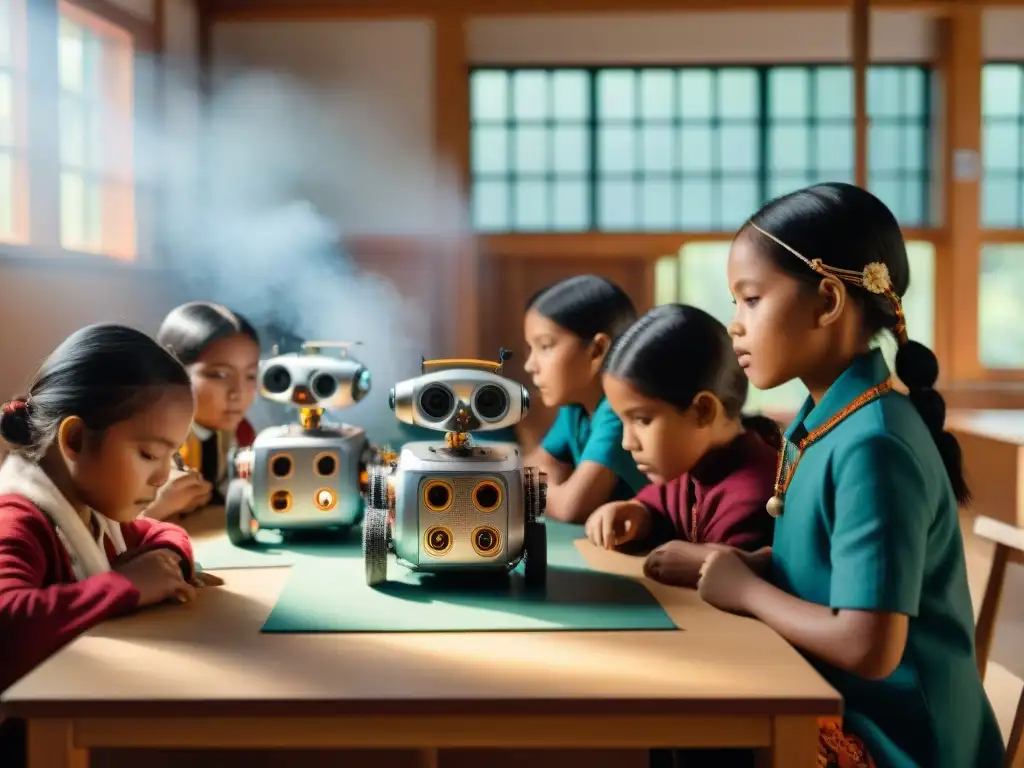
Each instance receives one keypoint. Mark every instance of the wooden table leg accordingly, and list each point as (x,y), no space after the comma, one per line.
(794,744)
(51,744)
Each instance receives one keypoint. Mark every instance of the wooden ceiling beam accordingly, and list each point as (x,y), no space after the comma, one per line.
(298,9)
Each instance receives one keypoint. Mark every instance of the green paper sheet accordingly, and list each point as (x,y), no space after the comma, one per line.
(272,550)
(331,595)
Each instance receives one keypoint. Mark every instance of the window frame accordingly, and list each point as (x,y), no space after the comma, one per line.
(16,69)
(593,178)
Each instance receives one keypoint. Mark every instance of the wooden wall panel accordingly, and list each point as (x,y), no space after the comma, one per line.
(509,282)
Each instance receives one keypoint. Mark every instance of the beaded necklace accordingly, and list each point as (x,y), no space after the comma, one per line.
(784,475)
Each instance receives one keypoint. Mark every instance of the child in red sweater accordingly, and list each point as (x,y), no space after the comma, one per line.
(90,445)
(675,382)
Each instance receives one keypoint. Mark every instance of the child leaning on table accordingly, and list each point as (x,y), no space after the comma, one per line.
(90,445)
(675,382)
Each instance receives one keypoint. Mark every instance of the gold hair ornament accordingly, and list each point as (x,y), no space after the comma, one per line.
(874,278)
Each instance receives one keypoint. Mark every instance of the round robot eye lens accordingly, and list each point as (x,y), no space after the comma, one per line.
(491,402)
(324,385)
(276,379)
(437,401)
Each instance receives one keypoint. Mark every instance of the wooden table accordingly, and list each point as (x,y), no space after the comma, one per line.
(202,676)
(992,443)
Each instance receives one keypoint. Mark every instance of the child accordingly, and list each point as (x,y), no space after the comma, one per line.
(866,574)
(221,352)
(569,328)
(90,445)
(675,383)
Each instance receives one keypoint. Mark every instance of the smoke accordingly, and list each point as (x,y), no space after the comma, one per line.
(262,179)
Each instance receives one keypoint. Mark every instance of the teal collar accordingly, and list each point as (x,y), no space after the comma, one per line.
(866,371)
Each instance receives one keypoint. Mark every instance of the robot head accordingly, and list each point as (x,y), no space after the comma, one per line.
(309,379)
(460,396)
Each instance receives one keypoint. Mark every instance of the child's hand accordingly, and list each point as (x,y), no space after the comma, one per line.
(185,493)
(677,563)
(204,579)
(156,573)
(725,581)
(760,561)
(617,523)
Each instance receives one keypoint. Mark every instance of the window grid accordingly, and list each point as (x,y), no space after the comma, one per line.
(903,183)
(1003,160)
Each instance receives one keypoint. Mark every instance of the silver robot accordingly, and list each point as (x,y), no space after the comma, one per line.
(305,476)
(454,505)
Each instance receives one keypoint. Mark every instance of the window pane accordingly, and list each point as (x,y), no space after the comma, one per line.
(657,94)
(696,213)
(911,211)
(531,150)
(834,148)
(6,32)
(1000,202)
(784,183)
(569,206)
(884,91)
(788,91)
(489,95)
(915,147)
(531,205)
(616,150)
(884,151)
(738,94)
(888,190)
(656,211)
(529,95)
(1001,87)
(571,96)
(572,150)
(1000,310)
(918,303)
(616,94)
(491,205)
(1001,145)
(73,211)
(6,109)
(912,97)
(6,196)
(74,132)
(834,92)
(789,146)
(657,149)
(739,199)
(490,150)
(72,56)
(617,205)
(696,89)
(739,148)
(703,284)
(696,146)
(666,280)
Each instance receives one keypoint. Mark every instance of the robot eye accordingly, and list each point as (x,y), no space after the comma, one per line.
(276,379)
(323,385)
(490,402)
(437,401)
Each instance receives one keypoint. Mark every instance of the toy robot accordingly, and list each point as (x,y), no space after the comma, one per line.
(455,506)
(305,476)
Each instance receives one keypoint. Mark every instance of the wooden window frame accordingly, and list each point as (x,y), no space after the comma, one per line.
(17,70)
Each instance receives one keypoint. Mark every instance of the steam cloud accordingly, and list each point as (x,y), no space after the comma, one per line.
(256,224)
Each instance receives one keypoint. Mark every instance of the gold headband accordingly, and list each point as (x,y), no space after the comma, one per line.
(874,278)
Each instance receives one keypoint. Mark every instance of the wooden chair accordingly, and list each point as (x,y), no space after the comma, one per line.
(1009,548)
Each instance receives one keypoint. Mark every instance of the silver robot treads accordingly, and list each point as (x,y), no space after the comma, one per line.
(454,505)
(304,476)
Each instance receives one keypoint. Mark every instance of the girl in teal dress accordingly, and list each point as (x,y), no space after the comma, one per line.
(569,328)
(866,575)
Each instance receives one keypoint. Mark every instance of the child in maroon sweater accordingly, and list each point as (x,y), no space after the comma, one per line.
(91,444)
(675,382)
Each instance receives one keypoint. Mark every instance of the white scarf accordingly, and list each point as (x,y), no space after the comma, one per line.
(88,555)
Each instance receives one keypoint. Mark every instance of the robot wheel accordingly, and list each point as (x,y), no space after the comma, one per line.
(375,526)
(238,514)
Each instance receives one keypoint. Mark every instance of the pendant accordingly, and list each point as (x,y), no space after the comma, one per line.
(774,506)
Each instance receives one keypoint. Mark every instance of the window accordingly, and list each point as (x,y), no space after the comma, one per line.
(1000,313)
(697,276)
(14,224)
(97,203)
(1002,108)
(692,149)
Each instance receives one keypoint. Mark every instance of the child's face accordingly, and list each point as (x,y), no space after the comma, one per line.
(664,442)
(119,472)
(561,365)
(224,381)
(775,331)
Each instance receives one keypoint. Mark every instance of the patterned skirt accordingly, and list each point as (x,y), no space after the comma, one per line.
(840,749)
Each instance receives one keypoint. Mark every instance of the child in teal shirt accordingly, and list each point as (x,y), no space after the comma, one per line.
(569,328)
(866,575)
